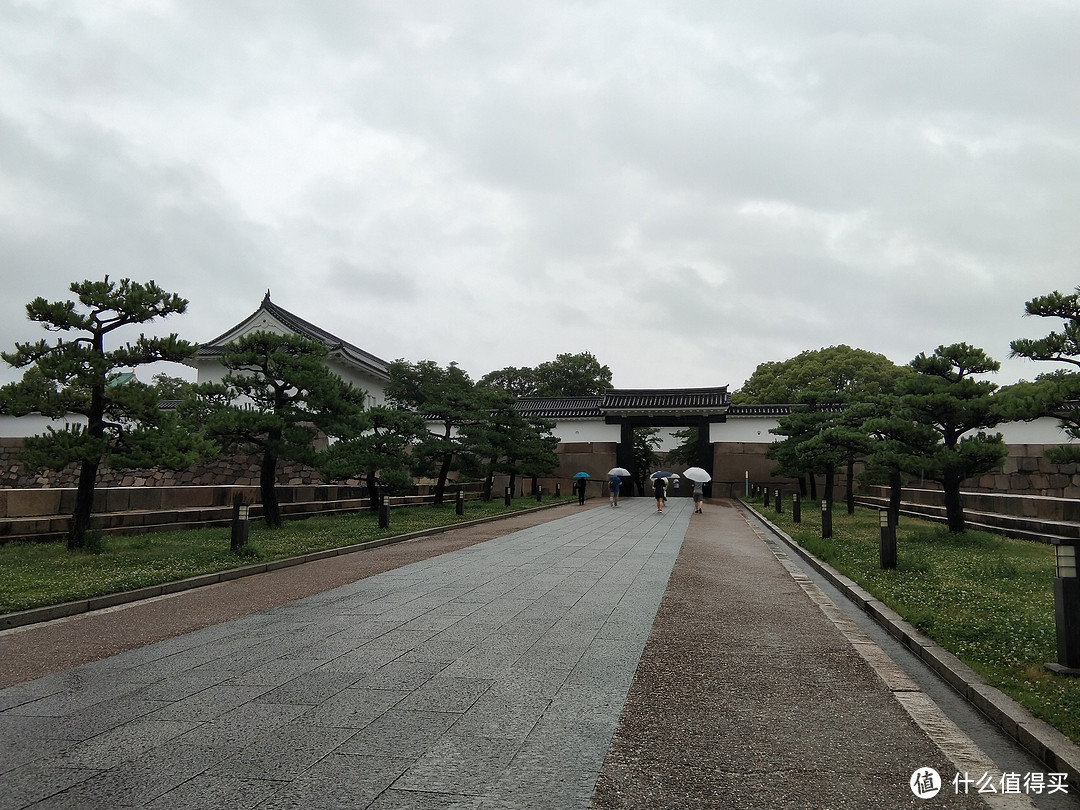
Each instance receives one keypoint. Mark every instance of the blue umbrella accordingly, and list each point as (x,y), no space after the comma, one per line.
(661,474)
(581,475)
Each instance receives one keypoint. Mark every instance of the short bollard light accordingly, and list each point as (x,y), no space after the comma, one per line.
(1066,606)
(888,540)
(826,519)
(460,505)
(796,508)
(506,497)
(384,513)
(746,475)
(765,498)
(779,503)
(241,524)
(558,489)
(539,494)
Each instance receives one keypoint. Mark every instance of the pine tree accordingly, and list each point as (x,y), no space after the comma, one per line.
(124,424)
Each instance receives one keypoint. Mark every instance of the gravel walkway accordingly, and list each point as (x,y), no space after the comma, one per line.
(747,696)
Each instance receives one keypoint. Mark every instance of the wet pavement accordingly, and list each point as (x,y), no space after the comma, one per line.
(603,657)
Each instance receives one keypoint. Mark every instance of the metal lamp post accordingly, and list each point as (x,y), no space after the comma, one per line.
(1066,606)
(240,523)
(887,534)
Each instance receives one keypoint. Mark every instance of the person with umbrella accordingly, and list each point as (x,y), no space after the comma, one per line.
(615,475)
(660,491)
(579,482)
(700,477)
(614,483)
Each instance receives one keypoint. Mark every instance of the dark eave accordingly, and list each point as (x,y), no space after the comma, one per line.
(758,410)
(628,401)
(778,410)
(560,407)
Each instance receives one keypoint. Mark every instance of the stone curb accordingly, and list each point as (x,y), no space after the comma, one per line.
(1039,738)
(50,612)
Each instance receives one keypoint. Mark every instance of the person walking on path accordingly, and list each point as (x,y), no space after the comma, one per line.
(614,483)
(581,490)
(699,494)
(660,491)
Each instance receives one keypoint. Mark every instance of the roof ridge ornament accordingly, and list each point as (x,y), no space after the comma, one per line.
(266,298)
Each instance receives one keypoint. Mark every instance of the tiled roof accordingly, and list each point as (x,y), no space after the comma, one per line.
(678,399)
(622,400)
(776,410)
(215,347)
(560,407)
(759,410)
(122,378)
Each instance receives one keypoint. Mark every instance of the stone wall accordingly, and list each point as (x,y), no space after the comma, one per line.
(230,470)
(1027,471)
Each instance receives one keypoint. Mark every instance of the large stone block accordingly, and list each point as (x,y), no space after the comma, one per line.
(112,499)
(1040,482)
(146,498)
(31,502)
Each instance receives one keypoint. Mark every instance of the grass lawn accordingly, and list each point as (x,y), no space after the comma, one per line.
(986,598)
(40,574)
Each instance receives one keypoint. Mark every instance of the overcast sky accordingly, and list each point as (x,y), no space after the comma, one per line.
(684,189)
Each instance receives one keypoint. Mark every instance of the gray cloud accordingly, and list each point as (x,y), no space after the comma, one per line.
(686,189)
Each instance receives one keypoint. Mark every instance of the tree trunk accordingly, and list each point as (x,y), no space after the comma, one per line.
(813,487)
(268,487)
(84,505)
(513,484)
(849,490)
(373,491)
(830,484)
(802,486)
(894,497)
(954,507)
(489,484)
(444,472)
(84,497)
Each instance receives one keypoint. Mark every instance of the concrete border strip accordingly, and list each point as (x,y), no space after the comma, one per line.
(1039,738)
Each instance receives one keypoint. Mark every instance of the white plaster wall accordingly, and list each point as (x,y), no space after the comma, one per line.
(1045,430)
(19,427)
(212,371)
(755,429)
(586,430)
(748,429)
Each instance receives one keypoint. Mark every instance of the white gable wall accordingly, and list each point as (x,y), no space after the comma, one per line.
(211,370)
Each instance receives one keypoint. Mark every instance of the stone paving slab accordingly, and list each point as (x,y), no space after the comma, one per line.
(489,677)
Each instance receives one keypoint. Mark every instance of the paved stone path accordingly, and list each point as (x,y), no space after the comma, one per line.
(491,677)
(612,658)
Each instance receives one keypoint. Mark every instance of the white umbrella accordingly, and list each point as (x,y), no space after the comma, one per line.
(618,471)
(697,475)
